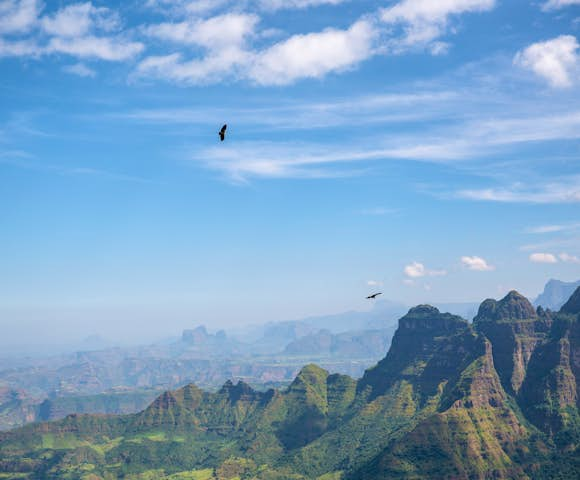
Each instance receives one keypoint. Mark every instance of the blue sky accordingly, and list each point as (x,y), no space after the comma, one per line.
(426,149)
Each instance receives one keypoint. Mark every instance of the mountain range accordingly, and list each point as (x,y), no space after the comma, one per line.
(494,399)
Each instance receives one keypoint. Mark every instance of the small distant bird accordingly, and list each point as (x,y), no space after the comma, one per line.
(374,295)
(222,133)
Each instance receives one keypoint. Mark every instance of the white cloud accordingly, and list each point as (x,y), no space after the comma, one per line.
(309,55)
(301,56)
(215,33)
(476,263)
(555,60)
(418,270)
(543,258)
(423,21)
(19,48)
(79,19)
(80,30)
(79,69)
(211,68)
(557,4)
(103,48)
(374,283)
(18,16)
(73,31)
(224,37)
(567,258)
(313,55)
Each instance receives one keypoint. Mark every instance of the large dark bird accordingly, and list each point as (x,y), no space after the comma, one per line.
(222,133)
(374,295)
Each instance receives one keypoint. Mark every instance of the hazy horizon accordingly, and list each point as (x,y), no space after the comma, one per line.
(71,328)
(426,151)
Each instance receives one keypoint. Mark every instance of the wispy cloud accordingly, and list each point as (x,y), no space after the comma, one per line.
(79,69)
(423,22)
(571,242)
(567,258)
(24,160)
(101,48)
(379,211)
(558,4)
(552,192)
(200,7)
(473,140)
(553,228)
(286,4)
(397,107)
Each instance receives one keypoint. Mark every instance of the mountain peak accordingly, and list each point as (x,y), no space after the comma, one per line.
(238,391)
(311,374)
(426,317)
(572,306)
(514,306)
(424,310)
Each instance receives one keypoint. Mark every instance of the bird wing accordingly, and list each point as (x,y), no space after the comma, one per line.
(223,130)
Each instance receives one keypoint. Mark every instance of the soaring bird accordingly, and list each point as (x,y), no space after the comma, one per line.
(374,295)
(222,133)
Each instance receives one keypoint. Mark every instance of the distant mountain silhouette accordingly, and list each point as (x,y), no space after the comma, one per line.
(555,294)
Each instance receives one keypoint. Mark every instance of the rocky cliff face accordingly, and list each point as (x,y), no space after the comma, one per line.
(515,329)
(550,394)
(473,435)
(421,333)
